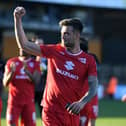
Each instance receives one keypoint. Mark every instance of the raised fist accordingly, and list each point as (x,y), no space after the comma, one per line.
(19,12)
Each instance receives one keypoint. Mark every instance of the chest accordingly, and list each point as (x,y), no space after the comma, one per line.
(74,66)
(20,67)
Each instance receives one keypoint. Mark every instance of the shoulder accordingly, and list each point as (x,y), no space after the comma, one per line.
(87,55)
(57,47)
(12,59)
(51,47)
(95,57)
(89,58)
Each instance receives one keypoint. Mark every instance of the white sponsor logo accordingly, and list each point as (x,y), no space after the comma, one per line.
(17,63)
(67,74)
(31,64)
(82,60)
(95,110)
(34,117)
(69,65)
(21,77)
(83,120)
(22,70)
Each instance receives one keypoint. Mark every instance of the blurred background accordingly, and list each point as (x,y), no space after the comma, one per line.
(104,27)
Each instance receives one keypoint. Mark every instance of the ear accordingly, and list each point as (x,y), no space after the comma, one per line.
(78,35)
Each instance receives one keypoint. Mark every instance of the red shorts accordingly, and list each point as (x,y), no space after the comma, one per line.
(27,112)
(90,111)
(52,118)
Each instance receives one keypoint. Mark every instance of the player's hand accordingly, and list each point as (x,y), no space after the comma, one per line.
(75,107)
(19,12)
(13,67)
(124,98)
(25,65)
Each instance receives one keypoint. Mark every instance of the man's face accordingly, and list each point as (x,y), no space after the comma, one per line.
(68,36)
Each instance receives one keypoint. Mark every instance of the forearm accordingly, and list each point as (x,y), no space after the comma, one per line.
(93,85)
(30,75)
(35,77)
(7,79)
(19,33)
(22,40)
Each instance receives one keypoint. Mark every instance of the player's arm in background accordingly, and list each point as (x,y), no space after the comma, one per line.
(8,74)
(21,38)
(35,77)
(77,106)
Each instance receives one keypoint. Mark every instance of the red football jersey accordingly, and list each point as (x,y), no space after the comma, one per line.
(66,75)
(21,88)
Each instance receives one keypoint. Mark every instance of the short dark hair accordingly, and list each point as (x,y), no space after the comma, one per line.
(83,44)
(74,22)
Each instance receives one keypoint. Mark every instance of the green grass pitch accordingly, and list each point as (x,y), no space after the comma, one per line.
(111,113)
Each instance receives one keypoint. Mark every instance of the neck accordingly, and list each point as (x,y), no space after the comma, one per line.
(74,50)
(38,58)
(23,58)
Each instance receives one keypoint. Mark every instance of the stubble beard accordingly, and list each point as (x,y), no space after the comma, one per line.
(69,45)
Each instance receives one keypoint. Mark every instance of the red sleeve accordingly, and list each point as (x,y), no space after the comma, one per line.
(48,50)
(92,67)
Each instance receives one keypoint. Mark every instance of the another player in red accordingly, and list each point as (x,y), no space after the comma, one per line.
(21,75)
(90,112)
(68,68)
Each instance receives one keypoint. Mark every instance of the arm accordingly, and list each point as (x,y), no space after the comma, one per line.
(77,106)
(93,84)
(8,75)
(21,38)
(35,77)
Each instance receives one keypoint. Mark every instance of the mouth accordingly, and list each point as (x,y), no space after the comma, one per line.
(68,44)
